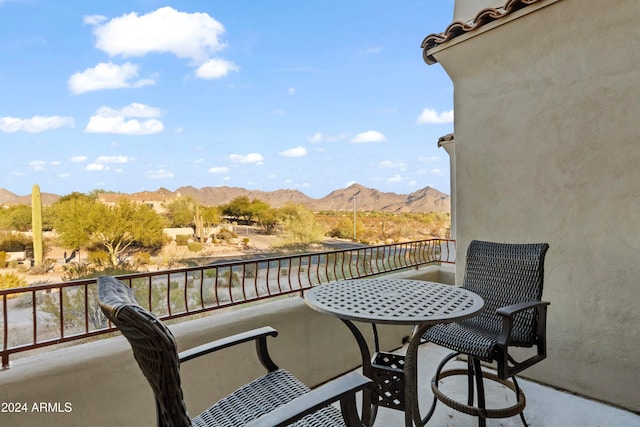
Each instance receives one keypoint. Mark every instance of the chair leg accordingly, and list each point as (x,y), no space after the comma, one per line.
(434,383)
(470,371)
(482,421)
(515,383)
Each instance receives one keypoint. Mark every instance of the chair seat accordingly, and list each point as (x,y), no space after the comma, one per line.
(260,397)
(465,339)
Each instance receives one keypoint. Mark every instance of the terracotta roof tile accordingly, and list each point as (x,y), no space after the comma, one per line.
(458,28)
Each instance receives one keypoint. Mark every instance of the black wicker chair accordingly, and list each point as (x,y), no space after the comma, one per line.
(509,277)
(275,399)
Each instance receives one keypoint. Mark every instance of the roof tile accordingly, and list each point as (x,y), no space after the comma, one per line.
(458,28)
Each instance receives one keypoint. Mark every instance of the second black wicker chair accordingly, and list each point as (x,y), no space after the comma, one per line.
(275,399)
(509,277)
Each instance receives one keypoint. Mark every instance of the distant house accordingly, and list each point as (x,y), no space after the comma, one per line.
(545,149)
(154,200)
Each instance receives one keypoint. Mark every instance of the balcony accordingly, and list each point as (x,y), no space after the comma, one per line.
(99,384)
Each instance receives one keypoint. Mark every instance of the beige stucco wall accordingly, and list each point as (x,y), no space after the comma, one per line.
(546,131)
(466,10)
(104,386)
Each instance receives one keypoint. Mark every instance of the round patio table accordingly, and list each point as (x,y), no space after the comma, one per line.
(393,301)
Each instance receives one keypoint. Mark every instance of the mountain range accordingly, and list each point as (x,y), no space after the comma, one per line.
(427,199)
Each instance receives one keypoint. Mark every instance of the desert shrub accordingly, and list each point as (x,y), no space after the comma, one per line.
(231,278)
(74,271)
(4,259)
(141,258)
(10,242)
(13,263)
(44,268)
(245,241)
(98,258)
(226,236)
(12,280)
(182,239)
(250,271)
(195,246)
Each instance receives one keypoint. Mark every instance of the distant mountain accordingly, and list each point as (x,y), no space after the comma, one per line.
(366,199)
(8,198)
(222,195)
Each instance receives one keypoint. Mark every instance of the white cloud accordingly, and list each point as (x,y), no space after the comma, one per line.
(371,50)
(64,175)
(429,116)
(96,167)
(321,137)
(395,178)
(218,169)
(158,174)
(294,152)
(438,172)
(350,183)
(369,136)
(216,68)
(37,165)
(187,35)
(291,91)
(316,137)
(107,75)
(78,159)
(392,165)
(93,19)
(108,120)
(279,112)
(55,163)
(249,158)
(114,159)
(428,159)
(35,124)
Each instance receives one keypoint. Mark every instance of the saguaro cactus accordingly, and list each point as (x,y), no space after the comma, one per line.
(36,224)
(199,224)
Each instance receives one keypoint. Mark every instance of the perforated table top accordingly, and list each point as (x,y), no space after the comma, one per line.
(394,301)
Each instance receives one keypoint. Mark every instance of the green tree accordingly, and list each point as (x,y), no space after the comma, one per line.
(181,211)
(300,226)
(238,208)
(120,230)
(190,212)
(16,217)
(344,229)
(73,221)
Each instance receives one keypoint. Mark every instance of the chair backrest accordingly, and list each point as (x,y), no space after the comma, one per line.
(153,345)
(504,274)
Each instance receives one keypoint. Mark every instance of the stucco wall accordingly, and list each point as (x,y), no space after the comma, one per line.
(465,10)
(546,131)
(101,385)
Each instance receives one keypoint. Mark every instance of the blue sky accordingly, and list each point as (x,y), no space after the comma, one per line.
(136,95)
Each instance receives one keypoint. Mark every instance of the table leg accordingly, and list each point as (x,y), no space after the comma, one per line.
(369,411)
(412,409)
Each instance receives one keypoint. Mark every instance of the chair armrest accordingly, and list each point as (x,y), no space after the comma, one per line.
(510,310)
(507,313)
(259,334)
(343,389)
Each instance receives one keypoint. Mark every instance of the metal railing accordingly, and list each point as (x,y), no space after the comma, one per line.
(44,315)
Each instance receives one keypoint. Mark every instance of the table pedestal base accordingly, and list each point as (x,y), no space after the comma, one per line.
(387,370)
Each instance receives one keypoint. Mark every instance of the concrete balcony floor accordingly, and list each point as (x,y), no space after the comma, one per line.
(545,406)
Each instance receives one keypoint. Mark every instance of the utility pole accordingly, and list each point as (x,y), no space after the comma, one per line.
(354,217)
